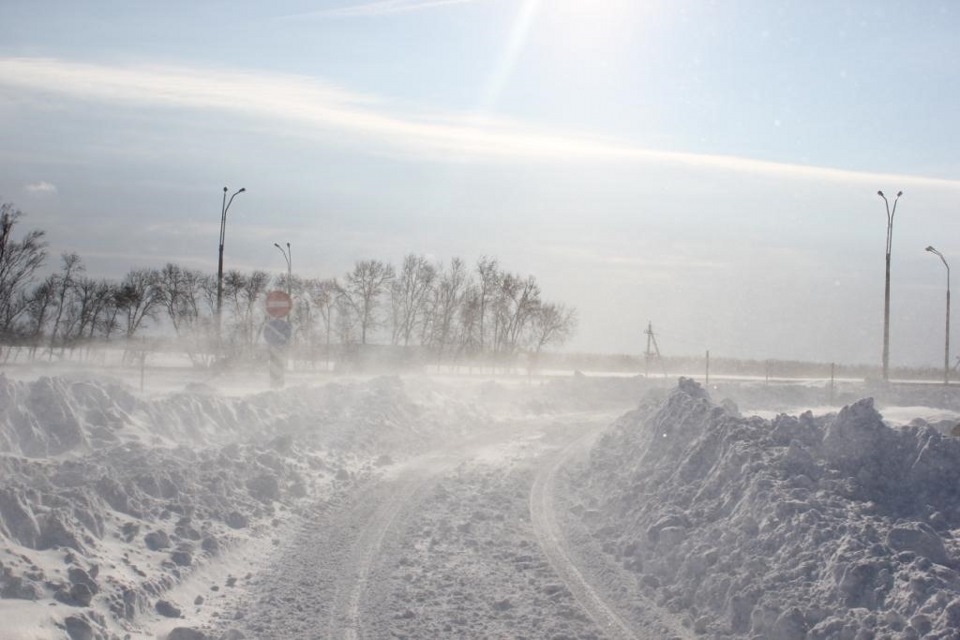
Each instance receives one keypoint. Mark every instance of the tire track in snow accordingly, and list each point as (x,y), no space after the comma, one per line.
(395,499)
(319,583)
(354,582)
(555,546)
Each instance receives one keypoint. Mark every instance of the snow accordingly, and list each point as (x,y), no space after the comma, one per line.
(796,527)
(470,507)
(111,500)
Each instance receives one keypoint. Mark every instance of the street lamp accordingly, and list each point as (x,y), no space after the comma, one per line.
(886,288)
(946,348)
(288,256)
(223,229)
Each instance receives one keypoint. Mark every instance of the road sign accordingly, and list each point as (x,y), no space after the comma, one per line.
(278,304)
(277,332)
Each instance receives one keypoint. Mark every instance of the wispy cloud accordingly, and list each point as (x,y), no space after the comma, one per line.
(40,187)
(378,126)
(379,8)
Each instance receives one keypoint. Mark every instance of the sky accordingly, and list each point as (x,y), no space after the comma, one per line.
(711,168)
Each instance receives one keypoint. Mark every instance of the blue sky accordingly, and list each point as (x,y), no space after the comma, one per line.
(711,167)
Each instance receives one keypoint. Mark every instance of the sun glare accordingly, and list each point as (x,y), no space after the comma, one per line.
(572,32)
(515,43)
(595,21)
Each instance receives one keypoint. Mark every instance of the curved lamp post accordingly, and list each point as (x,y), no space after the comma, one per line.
(288,256)
(946,348)
(223,229)
(886,288)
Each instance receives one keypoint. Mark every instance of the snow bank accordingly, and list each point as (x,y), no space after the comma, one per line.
(54,416)
(799,527)
(108,500)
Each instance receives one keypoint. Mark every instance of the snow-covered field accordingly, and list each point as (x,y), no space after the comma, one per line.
(579,507)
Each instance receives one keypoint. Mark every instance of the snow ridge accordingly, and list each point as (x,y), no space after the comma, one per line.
(108,500)
(798,527)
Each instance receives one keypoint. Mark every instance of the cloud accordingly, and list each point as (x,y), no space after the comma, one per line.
(379,8)
(376,125)
(40,187)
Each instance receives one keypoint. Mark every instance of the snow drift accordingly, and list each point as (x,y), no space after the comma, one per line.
(800,527)
(108,500)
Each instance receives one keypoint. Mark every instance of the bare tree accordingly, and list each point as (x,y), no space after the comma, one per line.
(469,321)
(94,302)
(552,324)
(208,293)
(517,300)
(345,320)
(182,293)
(409,295)
(323,296)
(179,291)
(363,288)
(447,300)
(83,309)
(39,305)
(247,293)
(490,275)
(19,260)
(138,298)
(65,283)
(108,309)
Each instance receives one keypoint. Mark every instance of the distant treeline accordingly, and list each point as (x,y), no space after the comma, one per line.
(450,311)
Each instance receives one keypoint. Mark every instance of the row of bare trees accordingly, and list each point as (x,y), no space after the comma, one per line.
(449,310)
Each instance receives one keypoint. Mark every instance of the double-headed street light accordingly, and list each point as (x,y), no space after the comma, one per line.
(886,288)
(946,348)
(288,256)
(223,229)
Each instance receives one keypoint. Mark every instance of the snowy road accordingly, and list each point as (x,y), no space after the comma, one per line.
(389,502)
(317,585)
(606,594)
(463,542)
(553,544)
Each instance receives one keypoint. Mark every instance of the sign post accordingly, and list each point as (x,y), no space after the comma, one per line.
(277,334)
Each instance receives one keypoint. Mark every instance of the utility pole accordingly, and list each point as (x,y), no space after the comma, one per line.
(652,342)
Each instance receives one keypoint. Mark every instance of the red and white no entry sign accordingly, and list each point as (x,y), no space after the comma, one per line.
(278,304)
